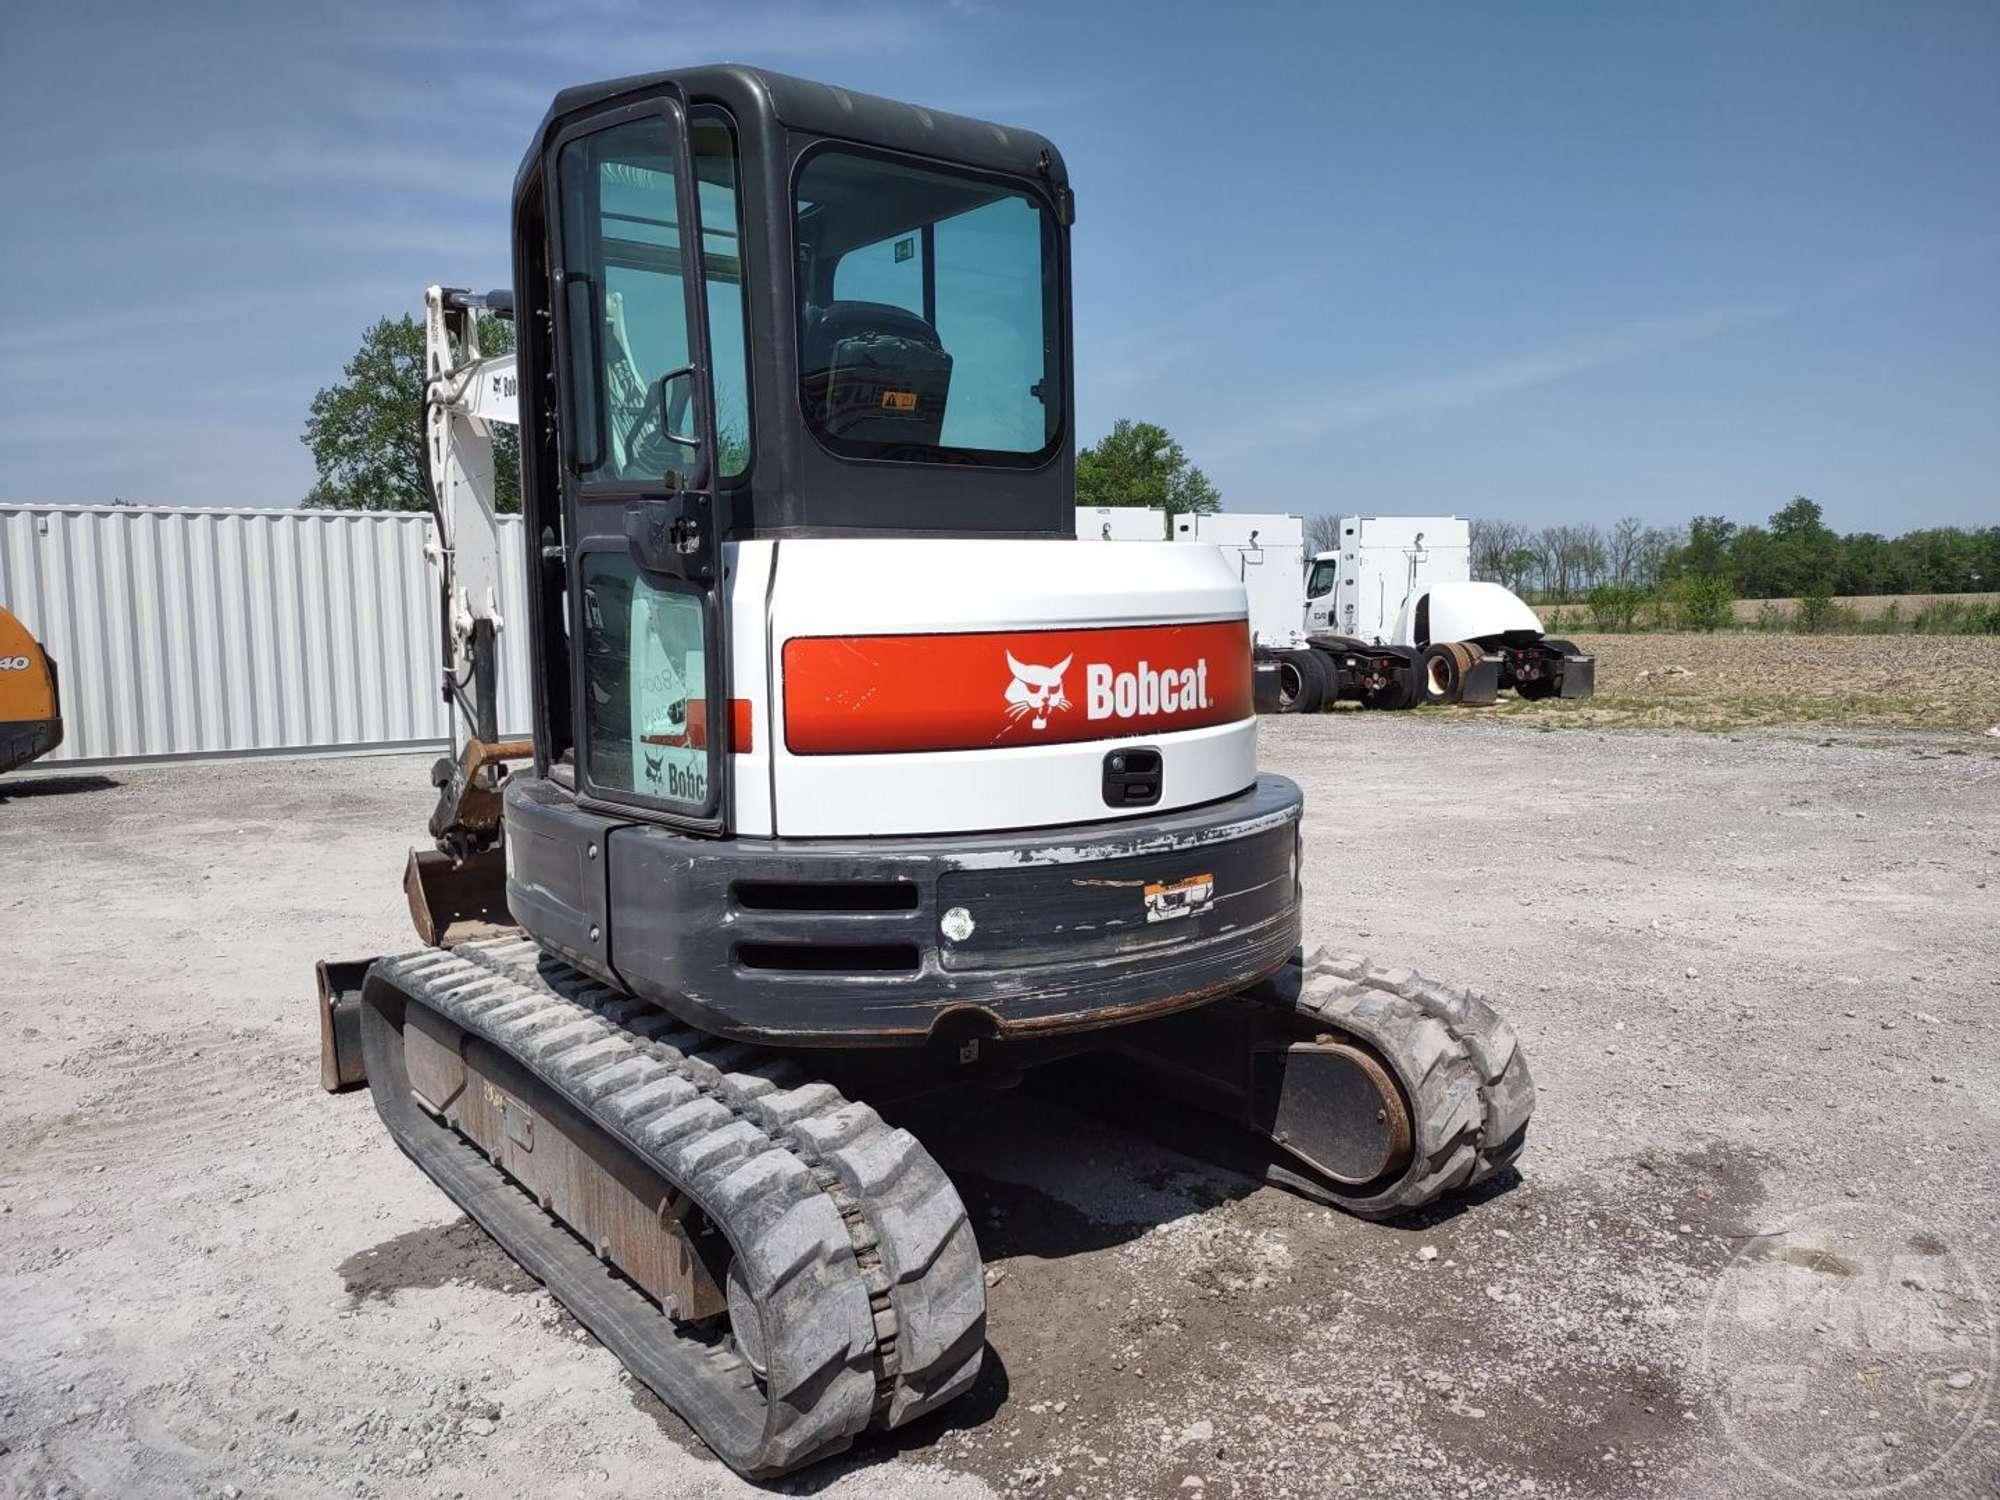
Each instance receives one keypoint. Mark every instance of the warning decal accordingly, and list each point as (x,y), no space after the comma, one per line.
(1181,898)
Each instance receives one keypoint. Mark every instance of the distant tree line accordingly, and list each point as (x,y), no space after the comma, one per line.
(1796,556)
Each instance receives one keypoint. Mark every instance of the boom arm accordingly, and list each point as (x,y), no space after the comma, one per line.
(466,395)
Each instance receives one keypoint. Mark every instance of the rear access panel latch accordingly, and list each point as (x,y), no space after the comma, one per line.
(1133,778)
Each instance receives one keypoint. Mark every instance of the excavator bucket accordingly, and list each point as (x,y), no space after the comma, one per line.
(451,902)
(454,900)
(30,705)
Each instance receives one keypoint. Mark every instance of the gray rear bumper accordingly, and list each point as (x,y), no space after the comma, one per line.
(869,943)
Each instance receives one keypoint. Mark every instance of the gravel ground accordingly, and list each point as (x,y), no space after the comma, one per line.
(1758,977)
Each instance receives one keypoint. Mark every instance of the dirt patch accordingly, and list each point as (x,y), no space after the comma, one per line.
(458,1252)
(1733,680)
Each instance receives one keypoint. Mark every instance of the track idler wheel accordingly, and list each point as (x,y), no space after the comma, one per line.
(1335,1106)
(1449,1062)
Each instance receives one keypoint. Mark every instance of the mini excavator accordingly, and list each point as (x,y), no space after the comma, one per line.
(851,773)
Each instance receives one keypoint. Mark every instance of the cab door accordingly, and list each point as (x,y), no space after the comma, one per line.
(637,441)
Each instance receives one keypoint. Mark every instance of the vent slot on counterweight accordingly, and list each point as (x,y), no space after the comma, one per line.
(825,895)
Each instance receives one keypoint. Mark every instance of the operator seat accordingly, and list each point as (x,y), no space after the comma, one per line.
(874,373)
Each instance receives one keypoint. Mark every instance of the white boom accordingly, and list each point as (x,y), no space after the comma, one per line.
(465,396)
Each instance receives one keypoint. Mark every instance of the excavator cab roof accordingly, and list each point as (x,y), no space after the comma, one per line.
(764,103)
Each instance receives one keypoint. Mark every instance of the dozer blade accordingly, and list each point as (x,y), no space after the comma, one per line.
(455,901)
(790,1271)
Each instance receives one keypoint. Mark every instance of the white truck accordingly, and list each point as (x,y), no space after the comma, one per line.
(1407,581)
(1391,619)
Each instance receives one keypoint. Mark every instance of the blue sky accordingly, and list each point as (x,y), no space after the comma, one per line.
(1558,262)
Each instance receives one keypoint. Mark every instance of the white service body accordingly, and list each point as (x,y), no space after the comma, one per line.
(1267,554)
(1383,564)
(1120,523)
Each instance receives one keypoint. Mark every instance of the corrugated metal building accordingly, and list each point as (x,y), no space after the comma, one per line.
(184,632)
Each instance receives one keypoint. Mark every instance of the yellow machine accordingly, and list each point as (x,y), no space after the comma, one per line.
(30,708)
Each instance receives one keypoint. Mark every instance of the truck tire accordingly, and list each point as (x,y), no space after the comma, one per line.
(1443,674)
(1301,682)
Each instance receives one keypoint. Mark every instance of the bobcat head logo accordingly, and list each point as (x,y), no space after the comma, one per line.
(653,766)
(1036,690)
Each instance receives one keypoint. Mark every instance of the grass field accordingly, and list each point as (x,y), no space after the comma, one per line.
(1924,614)
(1867,606)
(1728,680)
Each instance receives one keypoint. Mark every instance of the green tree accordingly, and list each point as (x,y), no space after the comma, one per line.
(1138,463)
(1805,552)
(1705,602)
(1516,567)
(1864,564)
(1615,606)
(1756,562)
(1705,553)
(366,431)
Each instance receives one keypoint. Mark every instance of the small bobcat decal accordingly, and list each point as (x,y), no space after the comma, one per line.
(654,764)
(1036,690)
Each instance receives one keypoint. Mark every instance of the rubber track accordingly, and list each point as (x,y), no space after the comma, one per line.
(1460,1064)
(849,1235)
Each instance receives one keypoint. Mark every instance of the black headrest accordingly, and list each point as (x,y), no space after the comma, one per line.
(838,321)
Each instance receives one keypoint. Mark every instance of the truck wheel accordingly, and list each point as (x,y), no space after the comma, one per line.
(1301,682)
(1561,648)
(1443,674)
